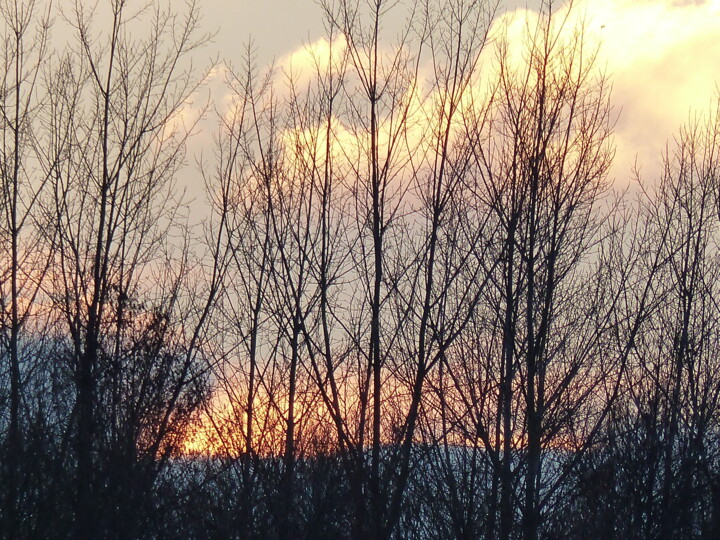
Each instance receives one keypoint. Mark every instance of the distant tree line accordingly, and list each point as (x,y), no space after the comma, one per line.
(417,307)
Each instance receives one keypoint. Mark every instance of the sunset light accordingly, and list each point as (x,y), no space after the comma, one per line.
(356,269)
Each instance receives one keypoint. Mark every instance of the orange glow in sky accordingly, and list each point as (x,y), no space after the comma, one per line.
(660,56)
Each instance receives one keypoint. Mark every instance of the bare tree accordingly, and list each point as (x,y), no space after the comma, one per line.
(665,428)
(406,173)
(544,174)
(246,245)
(25,256)
(133,341)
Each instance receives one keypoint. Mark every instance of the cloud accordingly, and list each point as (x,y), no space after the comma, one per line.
(313,59)
(662,58)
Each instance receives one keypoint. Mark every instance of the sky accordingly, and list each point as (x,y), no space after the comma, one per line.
(661,57)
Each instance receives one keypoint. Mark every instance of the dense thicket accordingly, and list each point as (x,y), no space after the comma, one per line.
(417,307)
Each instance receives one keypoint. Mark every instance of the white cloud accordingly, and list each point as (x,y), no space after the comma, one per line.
(661,57)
